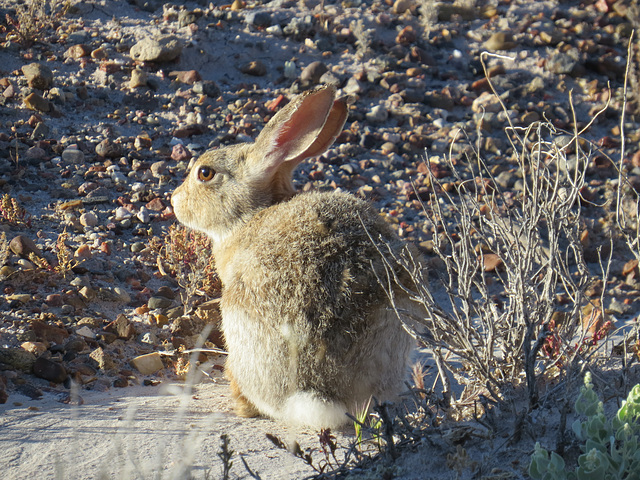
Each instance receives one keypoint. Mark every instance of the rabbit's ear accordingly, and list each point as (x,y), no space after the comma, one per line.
(306,127)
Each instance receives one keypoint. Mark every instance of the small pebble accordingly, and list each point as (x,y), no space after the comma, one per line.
(138,78)
(89,219)
(122,213)
(378,114)
(73,155)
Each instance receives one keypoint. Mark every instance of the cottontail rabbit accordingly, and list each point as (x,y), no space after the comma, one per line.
(309,329)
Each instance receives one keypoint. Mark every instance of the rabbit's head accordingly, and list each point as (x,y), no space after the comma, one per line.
(229,185)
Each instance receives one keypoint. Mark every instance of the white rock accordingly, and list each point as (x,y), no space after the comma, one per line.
(274,30)
(391,137)
(89,219)
(144,215)
(148,364)
(86,332)
(378,114)
(352,87)
(486,102)
(122,213)
(26,264)
(87,293)
(149,338)
(119,178)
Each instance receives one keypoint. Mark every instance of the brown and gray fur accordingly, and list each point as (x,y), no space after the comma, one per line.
(309,329)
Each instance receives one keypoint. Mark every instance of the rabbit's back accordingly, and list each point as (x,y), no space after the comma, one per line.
(317,256)
(302,285)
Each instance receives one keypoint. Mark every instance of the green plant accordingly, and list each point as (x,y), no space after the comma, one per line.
(363,419)
(610,445)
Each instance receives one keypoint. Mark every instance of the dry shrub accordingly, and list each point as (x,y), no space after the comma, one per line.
(512,265)
(186,256)
(12,213)
(33,17)
(4,248)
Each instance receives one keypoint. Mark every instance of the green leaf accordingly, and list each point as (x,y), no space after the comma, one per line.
(545,467)
(592,465)
(576,426)
(591,444)
(556,462)
(539,462)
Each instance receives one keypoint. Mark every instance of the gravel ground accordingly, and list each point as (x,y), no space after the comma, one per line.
(101,115)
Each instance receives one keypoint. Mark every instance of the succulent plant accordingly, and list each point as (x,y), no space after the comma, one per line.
(610,445)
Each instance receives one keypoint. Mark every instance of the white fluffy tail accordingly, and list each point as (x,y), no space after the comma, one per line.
(305,408)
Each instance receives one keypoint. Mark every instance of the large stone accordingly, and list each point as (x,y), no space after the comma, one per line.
(37,348)
(311,74)
(33,101)
(255,68)
(148,364)
(121,327)
(17,358)
(24,247)
(486,102)
(401,6)
(188,77)
(562,63)
(187,326)
(259,18)
(109,149)
(38,76)
(77,51)
(51,371)
(104,359)
(138,78)
(73,154)
(49,333)
(207,87)
(163,49)
(159,302)
(500,41)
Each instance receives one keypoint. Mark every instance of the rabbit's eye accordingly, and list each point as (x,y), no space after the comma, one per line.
(205,174)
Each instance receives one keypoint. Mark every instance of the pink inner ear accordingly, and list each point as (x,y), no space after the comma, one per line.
(300,131)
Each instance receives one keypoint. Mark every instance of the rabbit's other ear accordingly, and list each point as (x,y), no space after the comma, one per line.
(306,127)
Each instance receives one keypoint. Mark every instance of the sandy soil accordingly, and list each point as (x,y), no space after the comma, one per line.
(164,432)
